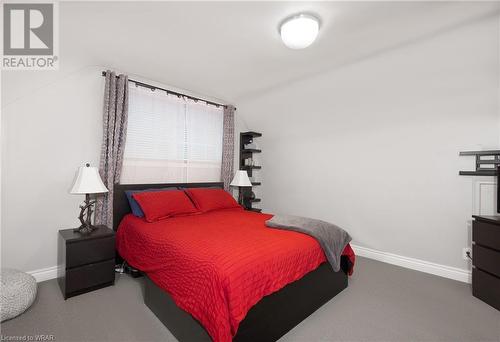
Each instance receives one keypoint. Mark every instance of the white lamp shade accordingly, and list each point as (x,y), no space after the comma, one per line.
(241,179)
(88,181)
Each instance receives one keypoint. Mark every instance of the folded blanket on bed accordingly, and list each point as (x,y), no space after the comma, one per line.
(331,238)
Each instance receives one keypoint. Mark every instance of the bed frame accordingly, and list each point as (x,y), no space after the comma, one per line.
(272,317)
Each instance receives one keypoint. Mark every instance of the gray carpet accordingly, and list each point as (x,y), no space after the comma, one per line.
(382,303)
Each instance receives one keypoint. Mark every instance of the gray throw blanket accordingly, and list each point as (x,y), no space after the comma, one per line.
(332,239)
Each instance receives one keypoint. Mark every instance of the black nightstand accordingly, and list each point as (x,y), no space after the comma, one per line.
(85,262)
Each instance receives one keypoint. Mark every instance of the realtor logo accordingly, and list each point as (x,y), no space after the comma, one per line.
(29,36)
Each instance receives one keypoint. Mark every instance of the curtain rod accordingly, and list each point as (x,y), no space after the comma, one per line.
(152,87)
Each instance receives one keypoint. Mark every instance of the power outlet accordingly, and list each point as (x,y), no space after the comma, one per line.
(466,253)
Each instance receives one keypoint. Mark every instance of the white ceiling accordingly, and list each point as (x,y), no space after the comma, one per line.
(232,50)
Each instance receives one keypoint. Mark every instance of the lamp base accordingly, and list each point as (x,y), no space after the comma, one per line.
(85,217)
(85,229)
(242,198)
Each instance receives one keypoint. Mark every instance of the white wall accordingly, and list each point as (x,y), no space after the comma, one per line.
(47,134)
(499,82)
(374,146)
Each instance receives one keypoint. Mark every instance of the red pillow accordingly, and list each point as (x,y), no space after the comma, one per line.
(158,205)
(211,199)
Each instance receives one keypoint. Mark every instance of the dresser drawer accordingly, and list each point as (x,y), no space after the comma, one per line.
(89,251)
(486,287)
(486,259)
(486,234)
(84,277)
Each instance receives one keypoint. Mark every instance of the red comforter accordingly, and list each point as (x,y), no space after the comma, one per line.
(217,265)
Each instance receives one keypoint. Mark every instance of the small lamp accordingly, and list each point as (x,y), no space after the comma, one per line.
(241,180)
(87,182)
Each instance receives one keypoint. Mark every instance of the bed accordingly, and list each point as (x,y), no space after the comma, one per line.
(200,271)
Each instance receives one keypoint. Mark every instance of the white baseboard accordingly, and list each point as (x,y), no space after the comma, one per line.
(454,273)
(44,273)
(394,259)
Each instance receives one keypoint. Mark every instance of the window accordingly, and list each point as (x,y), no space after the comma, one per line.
(171,139)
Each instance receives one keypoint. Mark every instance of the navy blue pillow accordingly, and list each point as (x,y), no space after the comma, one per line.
(134,206)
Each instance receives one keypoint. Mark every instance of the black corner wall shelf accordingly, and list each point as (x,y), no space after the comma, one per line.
(246,152)
(487,163)
(479,173)
(252,134)
(481,153)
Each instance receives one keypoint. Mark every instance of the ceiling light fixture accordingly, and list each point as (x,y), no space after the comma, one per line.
(299,31)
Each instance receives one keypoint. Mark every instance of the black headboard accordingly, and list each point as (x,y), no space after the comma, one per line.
(120,202)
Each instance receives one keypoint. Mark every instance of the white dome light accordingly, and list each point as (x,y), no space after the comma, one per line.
(299,31)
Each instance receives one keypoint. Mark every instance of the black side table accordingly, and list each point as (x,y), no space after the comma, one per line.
(486,259)
(85,262)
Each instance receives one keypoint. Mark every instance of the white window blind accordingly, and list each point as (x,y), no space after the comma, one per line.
(171,139)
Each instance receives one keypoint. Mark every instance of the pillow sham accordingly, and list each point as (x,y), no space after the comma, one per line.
(134,206)
(158,205)
(208,199)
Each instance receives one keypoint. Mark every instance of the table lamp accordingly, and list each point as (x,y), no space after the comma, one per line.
(87,182)
(241,180)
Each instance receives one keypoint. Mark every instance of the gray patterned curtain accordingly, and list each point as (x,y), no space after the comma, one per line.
(113,142)
(228,147)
